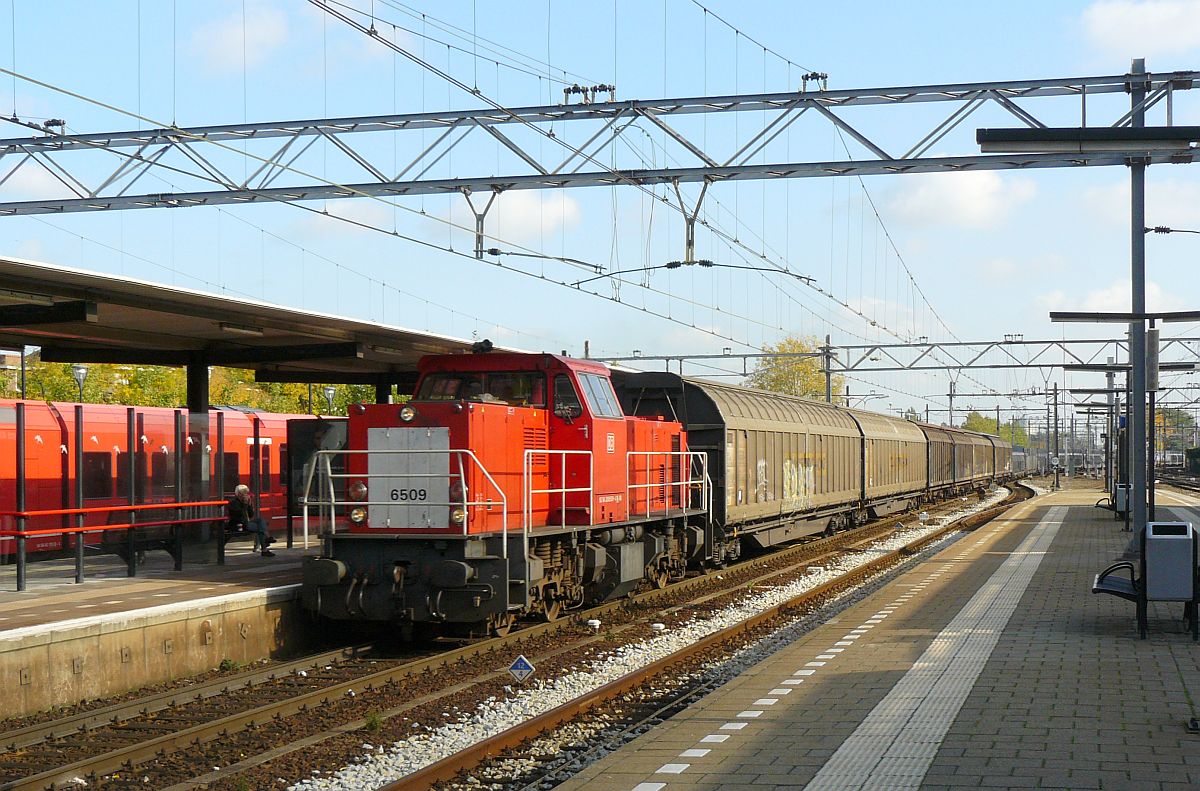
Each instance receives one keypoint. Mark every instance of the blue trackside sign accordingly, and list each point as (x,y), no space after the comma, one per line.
(521,669)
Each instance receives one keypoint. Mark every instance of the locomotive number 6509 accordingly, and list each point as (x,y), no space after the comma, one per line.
(409,495)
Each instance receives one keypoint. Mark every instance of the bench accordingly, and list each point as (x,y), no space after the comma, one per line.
(130,543)
(1130,589)
(228,534)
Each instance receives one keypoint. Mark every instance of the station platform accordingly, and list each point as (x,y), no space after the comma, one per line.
(52,596)
(63,642)
(990,665)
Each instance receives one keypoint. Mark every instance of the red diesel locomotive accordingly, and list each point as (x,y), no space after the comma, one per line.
(511,484)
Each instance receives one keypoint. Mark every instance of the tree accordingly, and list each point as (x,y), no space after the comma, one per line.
(153,385)
(1174,429)
(987,425)
(801,376)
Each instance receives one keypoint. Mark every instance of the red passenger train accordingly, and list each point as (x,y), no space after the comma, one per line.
(213,463)
(526,484)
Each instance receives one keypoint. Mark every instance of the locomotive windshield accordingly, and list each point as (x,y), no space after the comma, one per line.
(600,397)
(518,388)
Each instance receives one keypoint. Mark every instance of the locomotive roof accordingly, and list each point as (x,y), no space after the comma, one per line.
(81,316)
(508,361)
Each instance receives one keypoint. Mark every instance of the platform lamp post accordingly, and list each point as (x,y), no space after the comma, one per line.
(330,391)
(79,372)
(1140,141)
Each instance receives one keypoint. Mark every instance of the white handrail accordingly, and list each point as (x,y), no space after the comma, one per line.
(527,490)
(693,477)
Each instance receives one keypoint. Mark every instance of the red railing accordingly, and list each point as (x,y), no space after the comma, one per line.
(109,509)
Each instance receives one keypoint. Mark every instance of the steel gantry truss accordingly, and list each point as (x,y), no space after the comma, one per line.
(539,154)
(1076,354)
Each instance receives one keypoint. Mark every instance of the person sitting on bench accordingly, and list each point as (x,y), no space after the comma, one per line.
(242,518)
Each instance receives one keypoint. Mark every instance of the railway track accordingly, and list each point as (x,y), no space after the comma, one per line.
(286,721)
(686,664)
(1188,483)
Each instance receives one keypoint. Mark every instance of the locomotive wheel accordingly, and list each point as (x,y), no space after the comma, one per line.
(553,609)
(500,624)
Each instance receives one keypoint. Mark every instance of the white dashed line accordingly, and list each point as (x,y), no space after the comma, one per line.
(695,753)
(672,769)
(733,726)
(649,786)
(749,714)
(780,691)
(766,701)
(715,738)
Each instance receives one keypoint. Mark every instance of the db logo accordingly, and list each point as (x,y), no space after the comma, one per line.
(612,443)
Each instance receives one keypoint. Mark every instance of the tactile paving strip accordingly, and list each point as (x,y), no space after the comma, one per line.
(896,743)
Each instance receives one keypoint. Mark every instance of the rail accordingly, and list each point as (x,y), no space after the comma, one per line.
(684,484)
(321,472)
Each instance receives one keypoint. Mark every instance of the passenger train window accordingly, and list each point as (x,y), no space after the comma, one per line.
(600,396)
(162,474)
(232,473)
(264,479)
(139,477)
(97,476)
(283,465)
(566,401)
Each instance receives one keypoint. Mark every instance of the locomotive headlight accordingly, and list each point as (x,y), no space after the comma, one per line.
(407,413)
(358,491)
(358,516)
(458,515)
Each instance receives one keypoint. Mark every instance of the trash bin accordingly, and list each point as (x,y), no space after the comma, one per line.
(1121,498)
(1170,561)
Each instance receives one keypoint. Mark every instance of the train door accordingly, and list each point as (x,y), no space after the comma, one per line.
(570,430)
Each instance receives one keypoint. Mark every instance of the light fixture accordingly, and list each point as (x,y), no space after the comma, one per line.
(79,372)
(330,390)
(388,350)
(240,329)
(26,297)
(1087,139)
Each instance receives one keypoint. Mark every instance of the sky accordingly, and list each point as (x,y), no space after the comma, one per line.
(972,257)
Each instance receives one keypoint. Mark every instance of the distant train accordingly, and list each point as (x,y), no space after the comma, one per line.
(516,485)
(212,464)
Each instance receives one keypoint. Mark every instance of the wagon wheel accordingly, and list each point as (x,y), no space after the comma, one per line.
(501,623)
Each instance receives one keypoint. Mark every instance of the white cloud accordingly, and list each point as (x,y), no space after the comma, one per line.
(980,199)
(356,210)
(1150,28)
(521,216)
(1113,298)
(32,182)
(220,43)
(1172,203)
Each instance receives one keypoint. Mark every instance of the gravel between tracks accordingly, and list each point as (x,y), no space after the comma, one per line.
(381,764)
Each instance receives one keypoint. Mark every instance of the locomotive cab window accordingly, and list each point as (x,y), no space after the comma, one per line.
(519,388)
(600,397)
(566,400)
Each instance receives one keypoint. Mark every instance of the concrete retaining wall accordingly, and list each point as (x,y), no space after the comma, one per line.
(60,664)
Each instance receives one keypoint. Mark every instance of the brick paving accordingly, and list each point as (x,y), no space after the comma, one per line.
(1067,698)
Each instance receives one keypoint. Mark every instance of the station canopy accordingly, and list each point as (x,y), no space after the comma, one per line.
(77,316)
